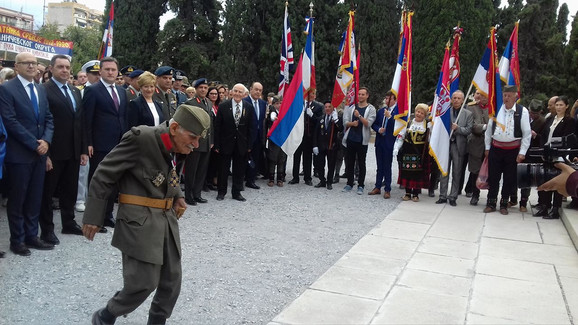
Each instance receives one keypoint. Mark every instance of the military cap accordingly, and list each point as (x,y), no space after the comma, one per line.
(510,89)
(536,106)
(193,119)
(275,99)
(91,66)
(179,75)
(199,82)
(135,73)
(270,95)
(164,71)
(186,81)
(127,70)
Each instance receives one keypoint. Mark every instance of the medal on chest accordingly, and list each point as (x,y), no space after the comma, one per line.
(174,178)
(159,179)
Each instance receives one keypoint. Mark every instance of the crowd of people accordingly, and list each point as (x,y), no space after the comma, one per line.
(62,133)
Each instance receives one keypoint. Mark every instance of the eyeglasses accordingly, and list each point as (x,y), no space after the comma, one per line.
(30,64)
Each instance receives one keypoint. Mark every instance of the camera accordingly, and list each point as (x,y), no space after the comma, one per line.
(536,173)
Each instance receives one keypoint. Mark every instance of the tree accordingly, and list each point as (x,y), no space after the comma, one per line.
(49,31)
(571,60)
(85,44)
(190,41)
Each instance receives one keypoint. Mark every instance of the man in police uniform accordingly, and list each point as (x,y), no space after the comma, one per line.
(133,89)
(142,165)
(163,93)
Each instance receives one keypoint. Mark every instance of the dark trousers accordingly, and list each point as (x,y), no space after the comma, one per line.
(213,168)
(279,164)
(257,157)
(339,159)
(239,163)
(501,162)
(95,160)
(305,149)
(471,186)
(355,150)
(26,182)
(384,158)
(64,175)
(142,278)
(196,165)
(319,160)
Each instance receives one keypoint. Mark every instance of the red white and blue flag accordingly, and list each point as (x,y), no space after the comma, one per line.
(309,58)
(509,63)
(347,64)
(454,62)
(487,77)
(286,61)
(106,45)
(401,85)
(439,147)
(287,130)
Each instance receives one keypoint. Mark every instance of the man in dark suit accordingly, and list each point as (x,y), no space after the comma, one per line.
(234,129)
(257,154)
(105,107)
(312,111)
(67,152)
(29,125)
(326,144)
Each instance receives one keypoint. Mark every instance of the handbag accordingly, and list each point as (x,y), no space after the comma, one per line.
(482,180)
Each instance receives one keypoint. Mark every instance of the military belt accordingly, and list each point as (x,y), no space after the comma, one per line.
(164,204)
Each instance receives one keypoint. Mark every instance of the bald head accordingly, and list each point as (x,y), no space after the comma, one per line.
(26,65)
(552,104)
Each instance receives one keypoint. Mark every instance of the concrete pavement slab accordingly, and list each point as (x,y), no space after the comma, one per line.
(533,252)
(413,306)
(518,300)
(477,319)
(385,247)
(569,271)
(436,283)
(570,289)
(554,233)
(401,229)
(407,214)
(497,226)
(515,269)
(442,264)
(455,224)
(355,282)
(319,307)
(448,247)
(371,263)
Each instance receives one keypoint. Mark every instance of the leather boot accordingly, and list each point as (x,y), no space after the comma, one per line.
(156,320)
(553,214)
(103,317)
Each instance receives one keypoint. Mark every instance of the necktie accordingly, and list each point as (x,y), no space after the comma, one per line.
(114,97)
(68,98)
(33,98)
(327,122)
(237,114)
(257,109)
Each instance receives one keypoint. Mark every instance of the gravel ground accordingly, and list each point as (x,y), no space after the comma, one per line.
(242,262)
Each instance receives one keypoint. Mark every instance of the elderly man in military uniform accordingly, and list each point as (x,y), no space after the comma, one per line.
(163,93)
(133,89)
(142,165)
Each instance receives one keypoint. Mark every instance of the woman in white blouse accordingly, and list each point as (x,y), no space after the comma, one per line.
(143,110)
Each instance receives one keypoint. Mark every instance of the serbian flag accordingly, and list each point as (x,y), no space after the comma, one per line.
(439,147)
(354,89)
(401,85)
(454,62)
(286,61)
(106,45)
(487,77)
(308,65)
(509,63)
(347,64)
(287,130)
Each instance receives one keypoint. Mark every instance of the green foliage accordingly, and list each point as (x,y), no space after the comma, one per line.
(86,42)
(571,60)
(49,31)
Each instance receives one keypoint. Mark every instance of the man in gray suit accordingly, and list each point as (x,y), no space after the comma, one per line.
(462,122)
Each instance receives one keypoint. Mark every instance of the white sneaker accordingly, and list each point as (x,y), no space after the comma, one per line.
(79,207)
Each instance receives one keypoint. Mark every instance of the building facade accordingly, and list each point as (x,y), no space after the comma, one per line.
(17,19)
(69,13)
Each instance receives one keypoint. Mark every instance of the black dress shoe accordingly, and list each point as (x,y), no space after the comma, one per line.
(442,201)
(70,230)
(2,254)
(51,238)
(320,184)
(310,183)
(239,197)
(220,197)
(200,200)
(469,194)
(102,230)
(453,203)
(103,317)
(212,187)
(252,185)
(542,212)
(329,186)
(294,181)
(554,213)
(109,223)
(37,243)
(431,193)
(191,202)
(20,249)
(474,200)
